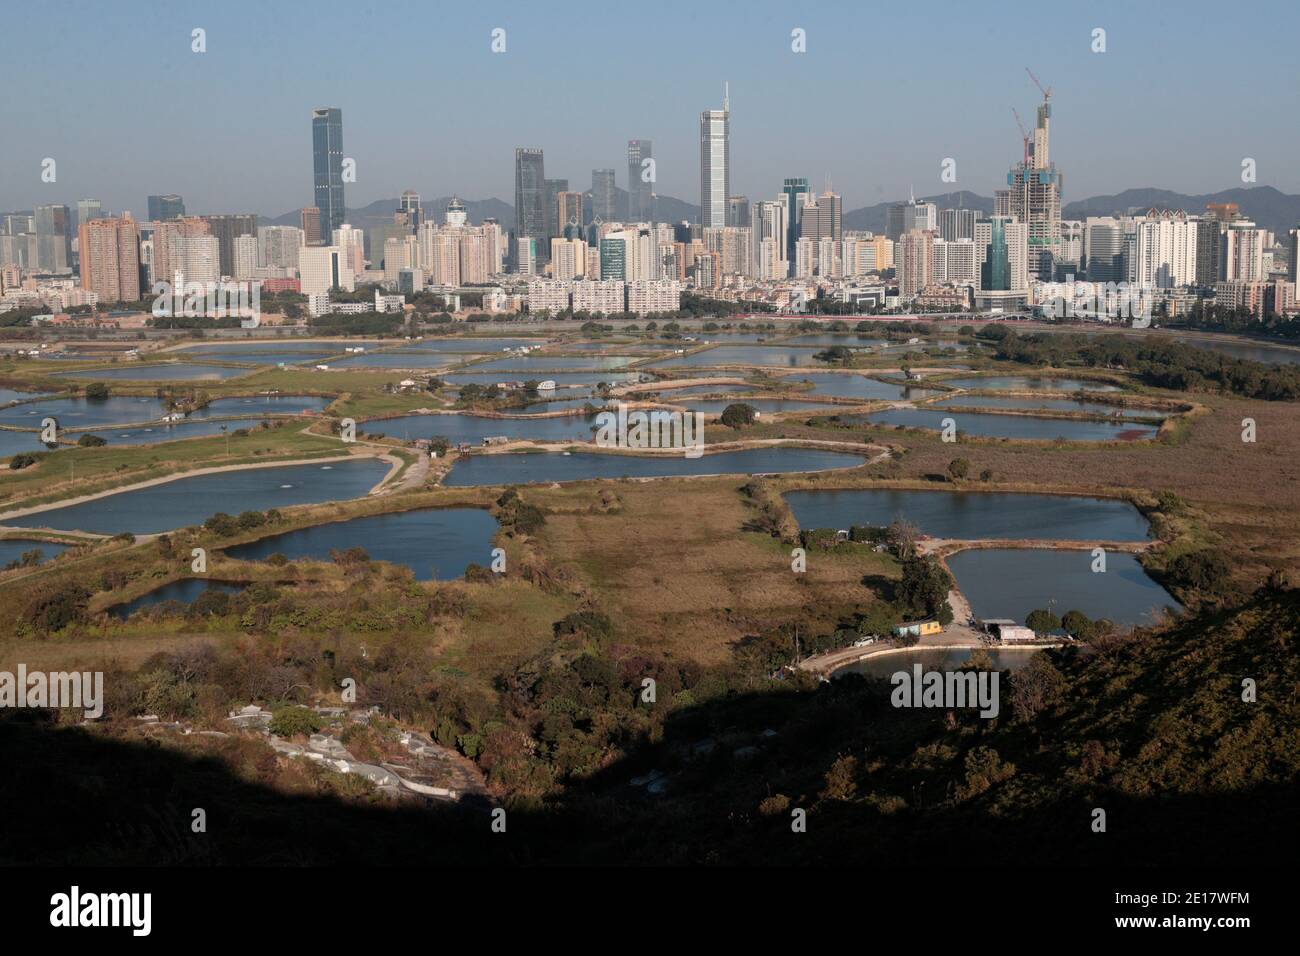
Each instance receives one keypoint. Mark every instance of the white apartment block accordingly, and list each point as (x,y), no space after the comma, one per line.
(601,295)
(568,259)
(954,261)
(1165,251)
(246,263)
(548,295)
(654,295)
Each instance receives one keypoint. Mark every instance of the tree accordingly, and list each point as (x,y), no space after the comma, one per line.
(1078,625)
(96,391)
(958,469)
(1042,621)
(89,440)
(738,415)
(923,589)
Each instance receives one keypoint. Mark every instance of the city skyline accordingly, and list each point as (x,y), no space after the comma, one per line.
(791,113)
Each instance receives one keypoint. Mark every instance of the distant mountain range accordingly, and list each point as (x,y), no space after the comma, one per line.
(1267,206)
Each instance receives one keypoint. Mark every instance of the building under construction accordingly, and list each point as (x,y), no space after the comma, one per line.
(1034,192)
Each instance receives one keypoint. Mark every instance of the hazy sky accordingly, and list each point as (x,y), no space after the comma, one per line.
(112,91)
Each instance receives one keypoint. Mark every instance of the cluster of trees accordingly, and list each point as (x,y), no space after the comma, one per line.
(1162,364)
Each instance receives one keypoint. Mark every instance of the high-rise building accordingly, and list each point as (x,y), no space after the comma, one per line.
(604,196)
(167,259)
(554,187)
(195,258)
(89,209)
(769,226)
(278,246)
(162,208)
(640,188)
(246,261)
(1001,251)
(226,229)
(738,211)
(530,194)
(322,268)
(568,214)
(409,206)
(327,167)
(1165,250)
(1243,252)
(820,217)
(310,221)
(1035,197)
(53,238)
(914,260)
(1104,249)
(957,224)
(568,258)
(110,258)
(795,192)
(715,164)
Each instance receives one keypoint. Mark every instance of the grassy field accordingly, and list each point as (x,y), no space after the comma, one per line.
(72,472)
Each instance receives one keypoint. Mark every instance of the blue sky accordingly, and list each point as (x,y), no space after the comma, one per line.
(883,94)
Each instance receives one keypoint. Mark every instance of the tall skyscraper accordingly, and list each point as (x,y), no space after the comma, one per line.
(162,208)
(110,258)
(957,224)
(409,206)
(553,189)
(795,191)
(530,193)
(822,217)
(53,237)
(568,214)
(640,207)
(604,195)
(715,163)
(327,167)
(1035,196)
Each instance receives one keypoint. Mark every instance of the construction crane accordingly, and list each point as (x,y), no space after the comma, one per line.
(1047,92)
(1024,134)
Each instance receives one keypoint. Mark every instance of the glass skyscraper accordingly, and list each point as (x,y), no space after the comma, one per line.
(327,168)
(530,195)
(604,195)
(639,205)
(163,208)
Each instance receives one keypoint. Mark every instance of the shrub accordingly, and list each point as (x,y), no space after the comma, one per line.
(88,440)
(293,721)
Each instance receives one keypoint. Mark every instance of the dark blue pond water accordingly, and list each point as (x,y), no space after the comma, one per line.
(11,549)
(186,590)
(973,514)
(81,412)
(435,543)
(1011,582)
(189,501)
